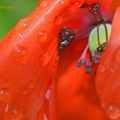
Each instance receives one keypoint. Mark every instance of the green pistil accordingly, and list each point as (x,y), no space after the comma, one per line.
(97,38)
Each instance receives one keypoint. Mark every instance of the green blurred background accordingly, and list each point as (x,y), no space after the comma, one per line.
(11,11)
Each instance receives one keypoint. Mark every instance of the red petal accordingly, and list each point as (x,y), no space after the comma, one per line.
(28,64)
(108,75)
(76,96)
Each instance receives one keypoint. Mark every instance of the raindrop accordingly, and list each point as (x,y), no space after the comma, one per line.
(25,92)
(58,20)
(113,111)
(20,35)
(45,59)
(43,3)
(77,4)
(62,2)
(57,59)
(45,117)
(47,94)
(42,37)
(101,68)
(28,88)
(6,108)
(30,85)
(4,94)
(20,55)
(12,112)
(117,55)
(23,25)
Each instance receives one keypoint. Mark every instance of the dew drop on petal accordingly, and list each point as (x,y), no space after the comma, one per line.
(42,37)
(58,20)
(47,94)
(78,4)
(43,3)
(4,94)
(30,85)
(101,68)
(23,25)
(45,59)
(12,112)
(113,111)
(20,55)
(6,108)
(45,117)
(20,35)
(62,2)
(28,88)
(25,92)
(117,55)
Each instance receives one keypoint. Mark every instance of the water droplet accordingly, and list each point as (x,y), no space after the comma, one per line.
(11,112)
(78,4)
(25,92)
(62,2)
(22,25)
(44,3)
(30,85)
(57,59)
(47,94)
(6,108)
(45,59)
(45,117)
(28,88)
(113,111)
(101,68)
(58,20)
(117,55)
(4,94)
(20,35)
(20,55)
(42,37)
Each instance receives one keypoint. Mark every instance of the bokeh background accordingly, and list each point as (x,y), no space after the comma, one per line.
(11,11)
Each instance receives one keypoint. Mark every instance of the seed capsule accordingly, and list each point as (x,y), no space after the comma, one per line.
(93,38)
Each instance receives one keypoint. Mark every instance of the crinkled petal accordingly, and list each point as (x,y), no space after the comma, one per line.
(76,95)
(28,60)
(108,74)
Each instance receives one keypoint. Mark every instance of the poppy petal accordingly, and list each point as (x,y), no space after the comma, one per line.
(76,96)
(108,74)
(28,56)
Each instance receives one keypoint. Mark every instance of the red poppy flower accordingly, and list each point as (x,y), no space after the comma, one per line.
(35,78)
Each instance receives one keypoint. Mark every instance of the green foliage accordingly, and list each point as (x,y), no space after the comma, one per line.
(11,11)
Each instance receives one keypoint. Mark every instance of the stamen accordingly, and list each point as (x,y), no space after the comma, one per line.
(65,37)
(106,31)
(82,60)
(96,57)
(88,68)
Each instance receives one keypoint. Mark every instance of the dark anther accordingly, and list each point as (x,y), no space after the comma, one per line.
(88,68)
(82,62)
(66,35)
(101,48)
(95,9)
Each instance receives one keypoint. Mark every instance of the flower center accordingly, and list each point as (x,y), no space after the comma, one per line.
(98,39)
(97,42)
